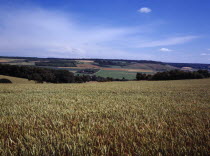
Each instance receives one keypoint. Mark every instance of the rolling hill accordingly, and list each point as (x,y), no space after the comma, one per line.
(114,68)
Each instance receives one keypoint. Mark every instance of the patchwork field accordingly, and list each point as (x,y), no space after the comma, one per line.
(115,118)
(113,68)
(114,72)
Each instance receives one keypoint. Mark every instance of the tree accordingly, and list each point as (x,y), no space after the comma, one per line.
(140,76)
(37,78)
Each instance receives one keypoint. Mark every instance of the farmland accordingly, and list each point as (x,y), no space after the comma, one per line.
(117,74)
(105,68)
(112,68)
(113,118)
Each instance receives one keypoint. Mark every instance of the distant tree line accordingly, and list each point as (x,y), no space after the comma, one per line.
(57,63)
(38,74)
(41,75)
(122,62)
(191,65)
(102,62)
(174,75)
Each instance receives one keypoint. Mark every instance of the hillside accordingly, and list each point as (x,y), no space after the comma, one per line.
(103,67)
(17,80)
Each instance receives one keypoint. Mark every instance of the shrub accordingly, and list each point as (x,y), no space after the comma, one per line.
(5,81)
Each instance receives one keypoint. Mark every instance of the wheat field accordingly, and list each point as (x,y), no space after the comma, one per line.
(113,118)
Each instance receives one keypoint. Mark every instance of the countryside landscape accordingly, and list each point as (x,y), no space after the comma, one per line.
(113,68)
(104,78)
(104,118)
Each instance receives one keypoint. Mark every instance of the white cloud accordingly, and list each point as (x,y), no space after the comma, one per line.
(208,49)
(144,10)
(165,50)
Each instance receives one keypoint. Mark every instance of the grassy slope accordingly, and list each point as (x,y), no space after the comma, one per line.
(16,80)
(117,118)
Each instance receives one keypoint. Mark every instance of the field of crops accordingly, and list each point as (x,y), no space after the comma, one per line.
(113,118)
(117,74)
(108,68)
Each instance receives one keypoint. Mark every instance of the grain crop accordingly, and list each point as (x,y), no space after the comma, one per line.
(113,118)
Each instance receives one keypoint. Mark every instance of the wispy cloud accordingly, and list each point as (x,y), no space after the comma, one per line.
(205,54)
(49,33)
(55,34)
(165,50)
(168,41)
(145,10)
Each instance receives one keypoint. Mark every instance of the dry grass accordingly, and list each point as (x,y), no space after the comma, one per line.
(117,118)
(17,80)
(10,60)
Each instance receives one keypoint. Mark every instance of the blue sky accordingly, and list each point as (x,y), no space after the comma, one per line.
(162,30)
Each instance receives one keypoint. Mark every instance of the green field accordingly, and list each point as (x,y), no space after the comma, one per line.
(117,74)
(113,118)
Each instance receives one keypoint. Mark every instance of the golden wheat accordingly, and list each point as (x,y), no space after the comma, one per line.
(114,118)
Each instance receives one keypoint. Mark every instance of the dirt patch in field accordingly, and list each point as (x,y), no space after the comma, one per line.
(3,61)
(187,68)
